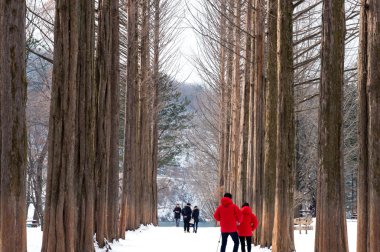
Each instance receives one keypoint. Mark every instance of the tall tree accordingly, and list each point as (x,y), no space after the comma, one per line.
(13,147)
(70,198)
(145,123)
(369,129)
(128,218)
(242,193)
(154,114)
(235,100)
(258,114)
(87,98)
(270,128)
(107,121)
(227,170)
(223,143)
(113,175)
(330,187)
(282,240)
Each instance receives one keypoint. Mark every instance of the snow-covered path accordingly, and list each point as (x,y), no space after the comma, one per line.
(172,239)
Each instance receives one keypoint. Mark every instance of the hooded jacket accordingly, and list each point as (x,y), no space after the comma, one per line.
(186,213)
(228,214)
(195,214)
(249,222)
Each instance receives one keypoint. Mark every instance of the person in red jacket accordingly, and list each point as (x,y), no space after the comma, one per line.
(248,224)
(229,216)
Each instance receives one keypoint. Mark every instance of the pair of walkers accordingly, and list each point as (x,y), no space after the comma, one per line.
(189,217)
(235,222)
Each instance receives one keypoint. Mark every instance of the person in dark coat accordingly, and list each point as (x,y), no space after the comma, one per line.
(248,224)
(186,215)
(195,216)
(177,214)
(229,216)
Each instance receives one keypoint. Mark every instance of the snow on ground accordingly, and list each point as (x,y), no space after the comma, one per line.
(172,239)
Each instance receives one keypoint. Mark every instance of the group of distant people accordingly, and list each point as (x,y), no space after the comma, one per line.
(190,216)
(234,222)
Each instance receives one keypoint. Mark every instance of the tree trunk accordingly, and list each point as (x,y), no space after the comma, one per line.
(242,185)
(103,64)
(251,126)
(229,80)
(330,184)
(155,79)
(222,101)
(60,205)
(38,184)
(128,207)
(113,175)
(145,146)
(258,114)
(369,129)
(69,206)
(107,121)
(13,126)
(270,129)
(236,103)
(87,94)
(283,217)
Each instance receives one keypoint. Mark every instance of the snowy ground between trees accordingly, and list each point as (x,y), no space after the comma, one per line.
(172,239)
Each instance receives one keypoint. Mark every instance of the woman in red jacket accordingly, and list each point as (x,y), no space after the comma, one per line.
(248,224)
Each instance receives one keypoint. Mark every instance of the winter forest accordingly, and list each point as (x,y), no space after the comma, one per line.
(99,134)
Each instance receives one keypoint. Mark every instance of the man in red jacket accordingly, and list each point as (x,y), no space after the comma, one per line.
(248,224)
(229,216)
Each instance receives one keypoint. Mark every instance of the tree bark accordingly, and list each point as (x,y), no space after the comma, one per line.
(113,175)
(87,98)
(369,129)
(13,126)
(283,217)
(145,146)
(39,184)
(235,113)
(270,129)
(107,124)
(330,184)
(128,206)
(155,79)
(222,102)
(229,80)
(258,114)
(242,194)
(60,205)
(70,199)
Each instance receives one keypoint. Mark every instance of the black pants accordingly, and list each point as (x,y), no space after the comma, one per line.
(242,242)
(195,227)
(186,225)
(234,237)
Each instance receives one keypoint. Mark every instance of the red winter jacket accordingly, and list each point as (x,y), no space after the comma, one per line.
(249,222)
(228,214)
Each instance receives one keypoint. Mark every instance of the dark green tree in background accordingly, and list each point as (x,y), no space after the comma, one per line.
(174,118)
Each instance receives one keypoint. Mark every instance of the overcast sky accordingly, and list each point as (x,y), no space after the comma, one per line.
(188,48)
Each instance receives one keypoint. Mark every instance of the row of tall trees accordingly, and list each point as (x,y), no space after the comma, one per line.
(92,44)
(265,99)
